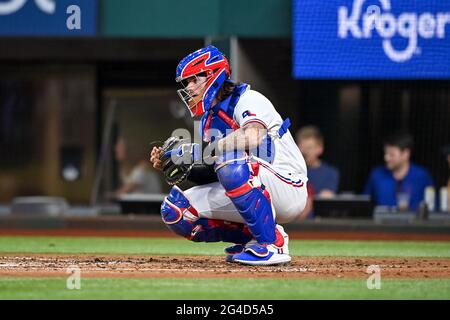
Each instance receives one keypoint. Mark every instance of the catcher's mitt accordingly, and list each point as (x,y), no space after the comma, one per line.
(177,159)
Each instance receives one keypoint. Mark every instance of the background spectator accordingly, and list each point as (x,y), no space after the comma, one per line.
(323,179)
(400,182)
(136,176)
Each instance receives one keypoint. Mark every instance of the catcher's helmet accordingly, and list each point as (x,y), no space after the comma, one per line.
(208,62)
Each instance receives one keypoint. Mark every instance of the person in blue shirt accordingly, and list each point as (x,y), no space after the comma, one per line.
(323,178)
(400,183)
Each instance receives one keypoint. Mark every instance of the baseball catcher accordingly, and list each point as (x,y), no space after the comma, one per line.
(257,180)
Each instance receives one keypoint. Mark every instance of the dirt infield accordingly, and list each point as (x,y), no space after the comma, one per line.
(50,265)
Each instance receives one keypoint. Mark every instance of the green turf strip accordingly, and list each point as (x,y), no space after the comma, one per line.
(55,288)
(157,246)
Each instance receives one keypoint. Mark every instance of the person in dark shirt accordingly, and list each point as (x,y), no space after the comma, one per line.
(323,179)
(400,183)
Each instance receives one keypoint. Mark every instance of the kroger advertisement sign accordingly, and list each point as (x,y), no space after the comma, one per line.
(371,39)
(48,17)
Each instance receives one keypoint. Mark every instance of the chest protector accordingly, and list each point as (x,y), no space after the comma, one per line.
(219,122)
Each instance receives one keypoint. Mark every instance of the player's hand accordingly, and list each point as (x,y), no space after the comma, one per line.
(154,158)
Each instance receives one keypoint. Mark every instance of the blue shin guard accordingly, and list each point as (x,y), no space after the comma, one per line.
(252,201)
(179,216)
(209,230)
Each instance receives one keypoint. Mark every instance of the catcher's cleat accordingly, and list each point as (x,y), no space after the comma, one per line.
(234,249)
(262,255)
(229,258)
(271,254)
(231,251)
(281,245)
(282,240)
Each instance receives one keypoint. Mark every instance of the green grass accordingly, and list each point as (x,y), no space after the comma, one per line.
(55,288)
(234,289)
(157,246)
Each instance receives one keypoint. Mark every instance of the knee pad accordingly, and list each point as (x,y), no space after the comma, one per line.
(249,197)
(232,170)
(177,213)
